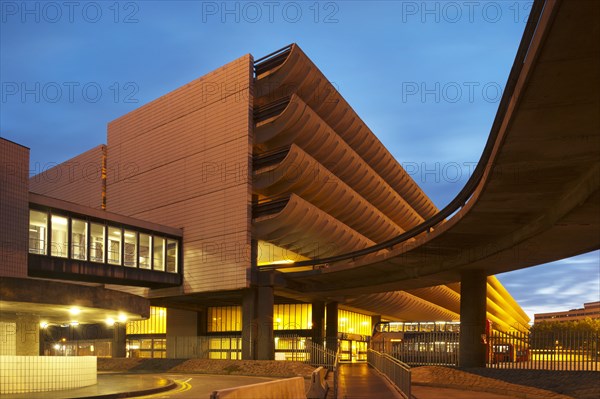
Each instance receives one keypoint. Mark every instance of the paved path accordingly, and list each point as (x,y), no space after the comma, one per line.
(422,392)
(359,381)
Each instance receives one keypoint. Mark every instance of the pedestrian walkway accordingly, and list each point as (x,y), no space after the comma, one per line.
(360,381)
(422,392)
(109,386)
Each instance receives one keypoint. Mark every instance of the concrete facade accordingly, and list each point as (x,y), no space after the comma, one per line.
(252,166)
(183,160)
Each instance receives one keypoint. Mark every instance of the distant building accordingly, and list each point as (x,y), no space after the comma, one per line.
(590,309)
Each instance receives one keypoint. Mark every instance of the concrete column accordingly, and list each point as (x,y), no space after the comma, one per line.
(331,327)
(257,323)
(119,342)
(318,322)
(264,316)
(374,320)
(27,335)
(249,329)
(202,330)
(181,325)
(473,294)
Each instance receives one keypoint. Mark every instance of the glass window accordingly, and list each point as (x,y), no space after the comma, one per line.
(114,246)
(224,318)
(145,245)
(60,239)
(354,323)
(38,228)
(97,242)
(78,239)
(172,256)
(159,254)
(130,253)
(156,324)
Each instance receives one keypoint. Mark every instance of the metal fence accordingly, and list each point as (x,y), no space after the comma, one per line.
(435,348)
(290,347)
(545,350)
(205,347)
(396,371)
(318,355)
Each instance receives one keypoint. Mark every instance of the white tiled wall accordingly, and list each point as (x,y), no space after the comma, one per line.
(19,374)
(8,341)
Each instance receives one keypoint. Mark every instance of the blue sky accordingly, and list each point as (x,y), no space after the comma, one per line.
(425,76)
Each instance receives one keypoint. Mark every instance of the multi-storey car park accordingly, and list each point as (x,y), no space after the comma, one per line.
(258,162)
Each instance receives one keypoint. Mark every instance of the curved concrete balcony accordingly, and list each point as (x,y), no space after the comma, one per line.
(440,295)
(299,124)
(301,174)
(403,306)
(305,229)
(298,75)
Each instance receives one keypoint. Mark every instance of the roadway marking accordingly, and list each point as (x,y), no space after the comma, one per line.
(183,387)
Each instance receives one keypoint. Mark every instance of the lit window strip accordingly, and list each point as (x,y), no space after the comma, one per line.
(46,237)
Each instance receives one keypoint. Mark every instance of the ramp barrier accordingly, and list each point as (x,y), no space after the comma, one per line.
(318,386)
(290,388)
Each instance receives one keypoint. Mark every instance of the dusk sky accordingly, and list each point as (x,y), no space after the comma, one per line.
(426,77)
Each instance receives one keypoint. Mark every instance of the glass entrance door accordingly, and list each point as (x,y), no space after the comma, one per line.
(345,350)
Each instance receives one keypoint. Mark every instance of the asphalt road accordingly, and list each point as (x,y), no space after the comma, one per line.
(200,386)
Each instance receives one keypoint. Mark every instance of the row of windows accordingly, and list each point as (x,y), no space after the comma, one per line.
(224,318)
(229,318)
(353,323)
(66,237)
(285,317)
(147,348)
(155,324)
(428,326)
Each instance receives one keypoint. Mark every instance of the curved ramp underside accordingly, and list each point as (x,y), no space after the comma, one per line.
(539,199)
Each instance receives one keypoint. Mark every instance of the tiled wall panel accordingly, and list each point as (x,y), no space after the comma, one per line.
(21,374)
(77,180)
(182,161)
(14,209)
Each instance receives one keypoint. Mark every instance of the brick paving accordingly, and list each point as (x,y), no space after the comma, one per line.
(529,384)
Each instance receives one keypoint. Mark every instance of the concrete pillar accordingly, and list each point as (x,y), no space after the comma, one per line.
(265,344)
(331,327)
(249,330)
(181,326)
(27,335)
(202,323)
(473,293)
(119,341)
(374,320)
(257,323)
(318,322)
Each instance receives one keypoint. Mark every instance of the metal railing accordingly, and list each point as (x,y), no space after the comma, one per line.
(566,350)
(269,158)
(336,373)
(468,190)
(435,348)
(272,60)
(205,347)
(318,355)
(271,109)
(269,206)
(396,371)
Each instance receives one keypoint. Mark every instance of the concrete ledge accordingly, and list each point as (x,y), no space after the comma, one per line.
(318,386)
(290,388)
